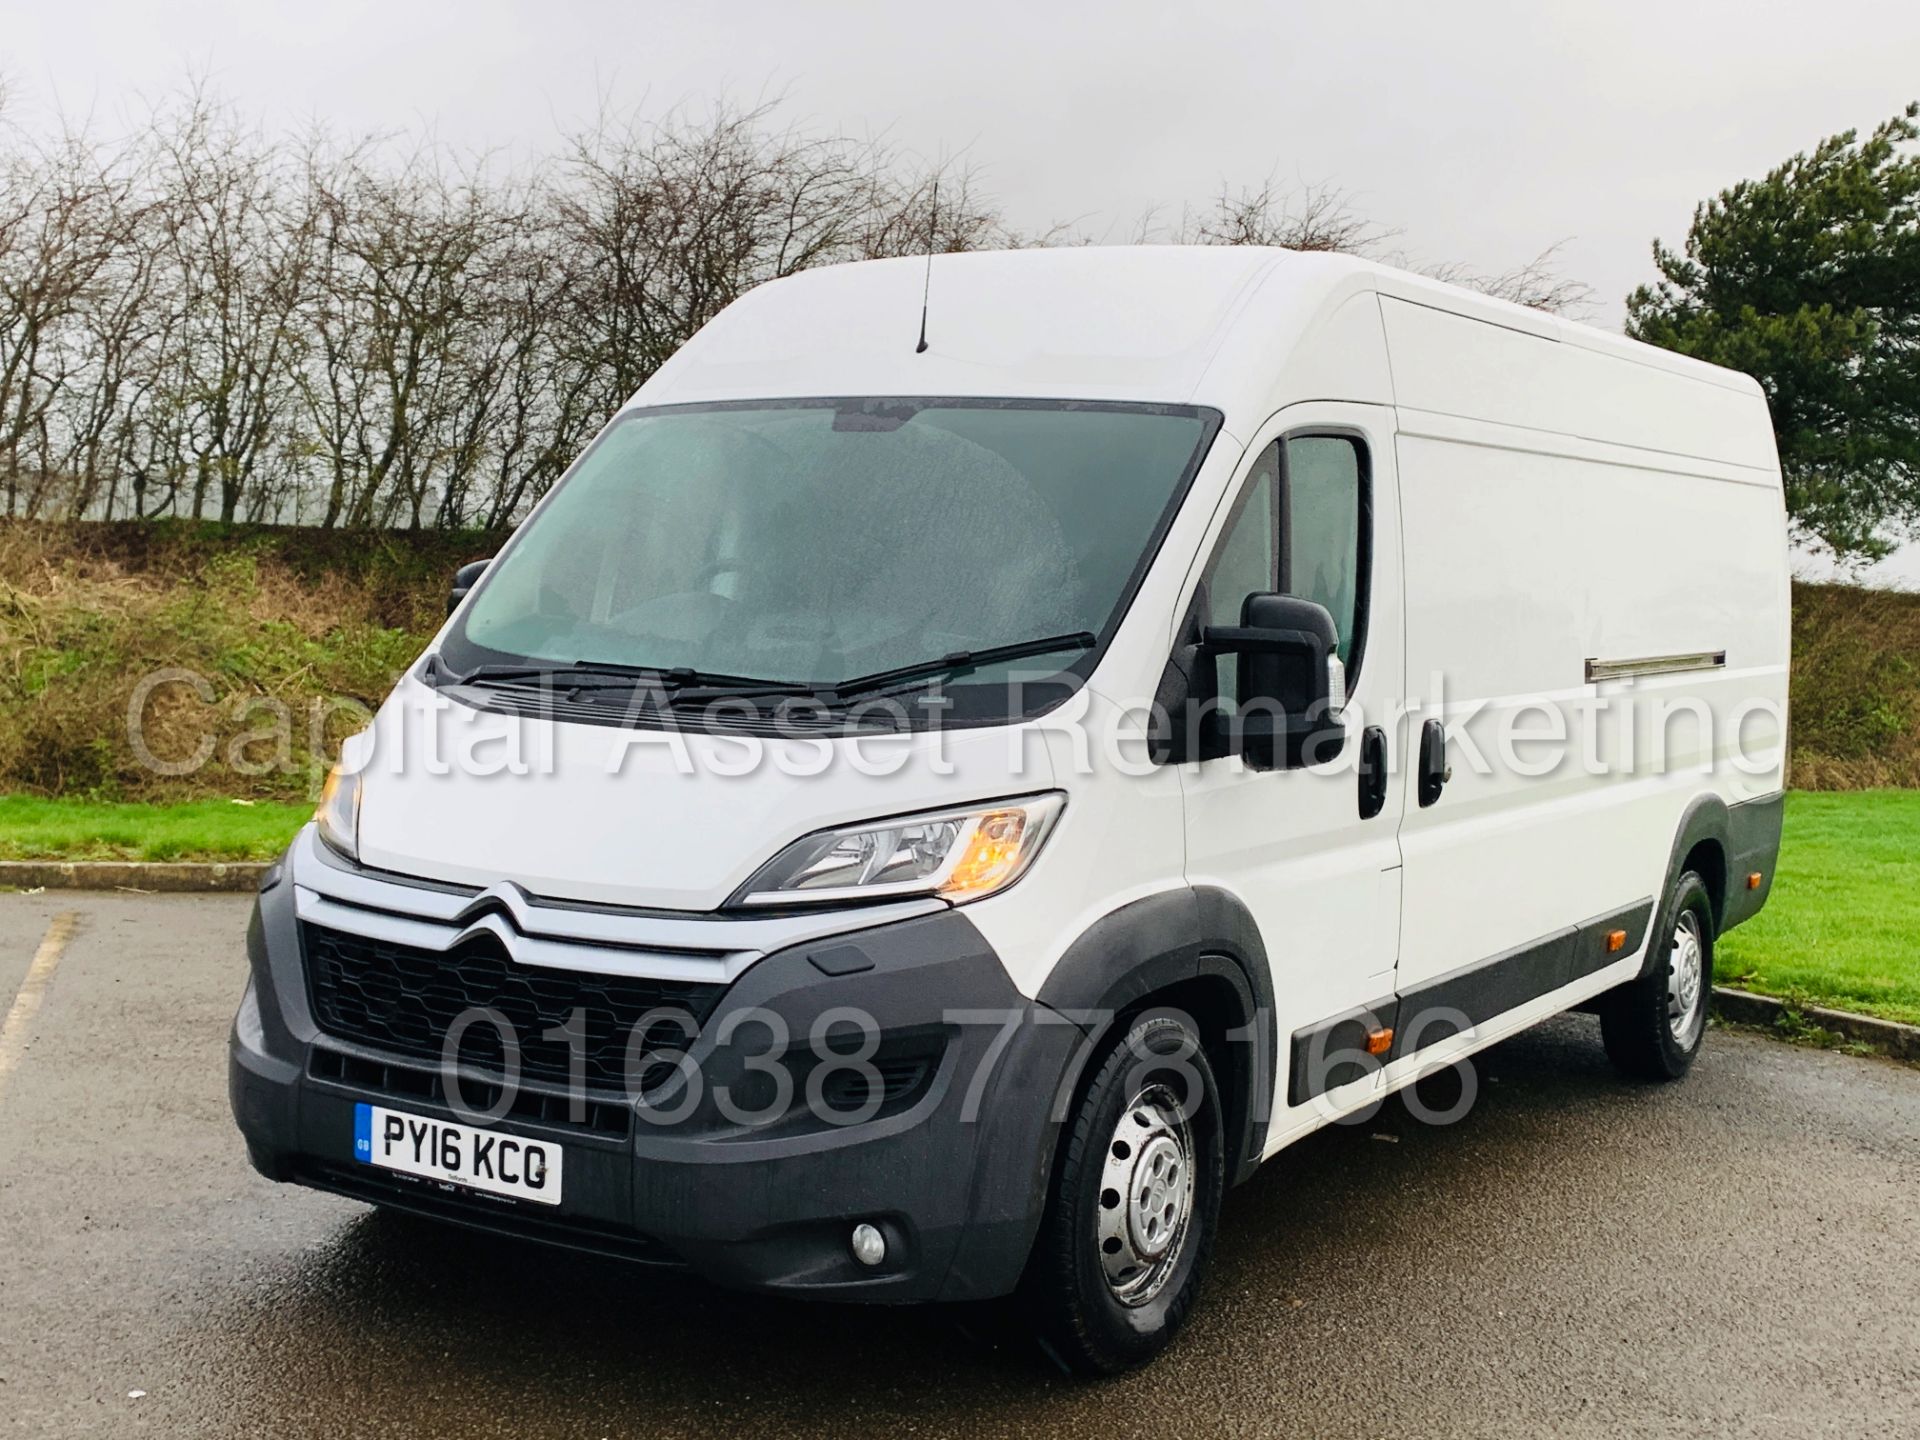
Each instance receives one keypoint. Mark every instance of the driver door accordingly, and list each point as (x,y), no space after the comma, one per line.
(1312,853)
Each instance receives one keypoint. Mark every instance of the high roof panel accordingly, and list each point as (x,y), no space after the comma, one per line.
(1134,322)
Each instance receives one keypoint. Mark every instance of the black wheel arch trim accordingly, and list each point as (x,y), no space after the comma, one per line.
(1753,849)
(1172,938)
(1705,818)
(1747,834)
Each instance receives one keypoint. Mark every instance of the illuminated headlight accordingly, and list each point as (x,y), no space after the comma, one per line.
(959,855)
(338,815)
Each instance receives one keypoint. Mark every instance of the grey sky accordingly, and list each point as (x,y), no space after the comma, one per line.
(1484,131)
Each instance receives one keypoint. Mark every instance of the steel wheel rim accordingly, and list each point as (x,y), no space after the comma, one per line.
(1146,1196)
(1686,968)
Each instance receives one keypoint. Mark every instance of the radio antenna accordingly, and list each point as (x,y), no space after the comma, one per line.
(926,286)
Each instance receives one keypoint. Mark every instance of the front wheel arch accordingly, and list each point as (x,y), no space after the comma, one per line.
(1197,948)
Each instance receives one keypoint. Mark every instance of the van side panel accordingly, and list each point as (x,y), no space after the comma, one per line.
(1452,365)
(1530,552)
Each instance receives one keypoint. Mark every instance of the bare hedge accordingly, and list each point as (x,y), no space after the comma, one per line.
(202,320)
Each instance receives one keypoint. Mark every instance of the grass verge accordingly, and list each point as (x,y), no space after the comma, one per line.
(35,829)
(1842,928)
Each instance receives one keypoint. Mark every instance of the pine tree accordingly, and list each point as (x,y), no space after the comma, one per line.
(1809,280)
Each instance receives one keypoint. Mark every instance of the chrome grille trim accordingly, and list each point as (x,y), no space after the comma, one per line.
(713,968)
(709,949)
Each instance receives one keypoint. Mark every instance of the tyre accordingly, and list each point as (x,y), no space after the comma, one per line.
(1653,1025)
(1135,1201)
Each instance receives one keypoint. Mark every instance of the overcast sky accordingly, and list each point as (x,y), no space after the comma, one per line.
(1484,131)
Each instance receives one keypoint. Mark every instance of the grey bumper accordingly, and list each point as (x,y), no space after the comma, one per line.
(953,1168)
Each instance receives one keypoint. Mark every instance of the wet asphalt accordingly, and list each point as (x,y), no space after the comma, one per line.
(1735,1255)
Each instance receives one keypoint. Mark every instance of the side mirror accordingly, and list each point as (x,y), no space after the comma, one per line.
(464,579)
(1291,680)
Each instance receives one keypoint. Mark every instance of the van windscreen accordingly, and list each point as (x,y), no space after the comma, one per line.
(803,541)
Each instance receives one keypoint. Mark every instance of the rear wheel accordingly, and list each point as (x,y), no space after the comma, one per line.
(1136,1196)
(1654,1024)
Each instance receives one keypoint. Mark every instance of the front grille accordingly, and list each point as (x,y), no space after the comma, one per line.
(401,999)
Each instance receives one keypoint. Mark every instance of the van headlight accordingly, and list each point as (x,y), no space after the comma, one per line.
(959,855)
(338,814)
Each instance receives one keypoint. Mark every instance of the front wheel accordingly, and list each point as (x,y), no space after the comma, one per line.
(1653,1025)
(1135,1199)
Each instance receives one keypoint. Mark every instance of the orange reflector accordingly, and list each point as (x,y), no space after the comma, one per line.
(1616,940)
(1379,1042)
(1753,881)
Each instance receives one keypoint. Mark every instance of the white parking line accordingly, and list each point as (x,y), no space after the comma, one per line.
(33,989)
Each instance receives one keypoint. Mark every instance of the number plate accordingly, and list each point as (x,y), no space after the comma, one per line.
(457,1154)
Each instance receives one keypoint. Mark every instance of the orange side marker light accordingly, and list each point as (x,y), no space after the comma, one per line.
(1616,940)
(1379,1041)
(1753,880)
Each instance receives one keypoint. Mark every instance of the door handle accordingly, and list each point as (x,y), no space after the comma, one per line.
(1434,770)
(1373,772)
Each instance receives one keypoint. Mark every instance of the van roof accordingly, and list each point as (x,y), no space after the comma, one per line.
(1133,322)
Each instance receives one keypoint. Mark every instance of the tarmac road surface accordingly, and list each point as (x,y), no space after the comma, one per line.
(1735,1255)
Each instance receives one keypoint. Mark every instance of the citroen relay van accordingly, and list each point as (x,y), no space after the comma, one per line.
(981,753)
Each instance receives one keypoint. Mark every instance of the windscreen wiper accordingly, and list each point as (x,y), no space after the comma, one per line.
(596,675)
(701,686)
(958,662)
(580,675)
(836,694)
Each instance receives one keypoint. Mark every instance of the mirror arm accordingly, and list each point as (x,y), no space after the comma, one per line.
(1244,639)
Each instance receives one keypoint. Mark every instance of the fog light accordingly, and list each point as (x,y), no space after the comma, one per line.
(869,1245)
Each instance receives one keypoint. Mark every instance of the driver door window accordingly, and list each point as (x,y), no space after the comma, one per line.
(1298,527)
(1324,508)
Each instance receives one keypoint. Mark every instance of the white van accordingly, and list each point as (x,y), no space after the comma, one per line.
(981,753)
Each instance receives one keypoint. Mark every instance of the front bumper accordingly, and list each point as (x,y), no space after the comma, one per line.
(953,1168)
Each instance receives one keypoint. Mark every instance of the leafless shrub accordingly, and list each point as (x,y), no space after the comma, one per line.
(69,217)
(409,318)
(1538,284)
(237,251)
(1325,218)
(1313,218)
